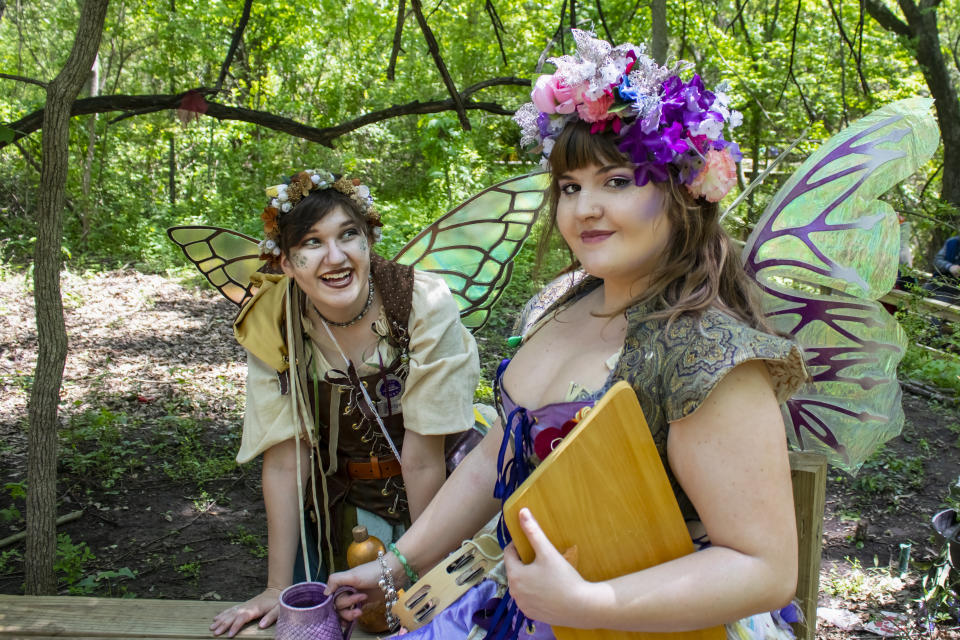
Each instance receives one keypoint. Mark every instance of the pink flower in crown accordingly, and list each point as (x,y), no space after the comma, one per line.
(716,178)
(551,95)
(596,110)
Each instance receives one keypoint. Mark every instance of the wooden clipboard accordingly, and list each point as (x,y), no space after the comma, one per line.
(604,489)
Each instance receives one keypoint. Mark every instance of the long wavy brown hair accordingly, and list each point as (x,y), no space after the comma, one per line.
(698,270)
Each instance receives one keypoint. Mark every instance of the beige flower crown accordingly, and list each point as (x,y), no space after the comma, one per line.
(284,197)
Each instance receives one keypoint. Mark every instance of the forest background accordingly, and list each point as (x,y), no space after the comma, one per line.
(191,108)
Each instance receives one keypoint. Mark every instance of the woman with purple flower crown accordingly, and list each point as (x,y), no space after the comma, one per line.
(656,297)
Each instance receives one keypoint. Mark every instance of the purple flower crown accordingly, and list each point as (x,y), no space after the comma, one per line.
(665,125)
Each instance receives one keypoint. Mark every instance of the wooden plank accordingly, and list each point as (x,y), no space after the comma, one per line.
(37,617)
(938,308)
(809,474)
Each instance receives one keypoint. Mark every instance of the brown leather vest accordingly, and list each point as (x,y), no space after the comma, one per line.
(341,412)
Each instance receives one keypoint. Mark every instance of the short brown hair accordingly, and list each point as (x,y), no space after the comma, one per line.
(293,226)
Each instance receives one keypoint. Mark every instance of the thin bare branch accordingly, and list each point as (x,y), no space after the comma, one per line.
(10,76)
(563,11)
(397,37)
(838,19)
(441,65)
(497,27)
(603,21)
(735,71)
(237,34)
(141,104)
(739,15)
(803,98)
(793,51)
(558,34)
(28,156)
(495,82)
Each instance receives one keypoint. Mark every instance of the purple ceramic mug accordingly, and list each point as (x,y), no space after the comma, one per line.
(307,614)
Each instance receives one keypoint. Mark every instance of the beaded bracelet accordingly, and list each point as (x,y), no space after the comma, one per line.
(389,589)
(411,574)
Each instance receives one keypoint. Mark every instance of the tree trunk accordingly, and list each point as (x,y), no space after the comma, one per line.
(51,334)
(659,30)
(923,22)
(922,36)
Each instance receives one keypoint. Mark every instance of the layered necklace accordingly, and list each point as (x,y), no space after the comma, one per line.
(360,315)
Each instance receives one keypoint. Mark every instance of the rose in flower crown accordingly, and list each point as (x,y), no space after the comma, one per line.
(284,197)
(666,126)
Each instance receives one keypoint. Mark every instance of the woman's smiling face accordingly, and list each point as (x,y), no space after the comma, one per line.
(331,265)
(617,230)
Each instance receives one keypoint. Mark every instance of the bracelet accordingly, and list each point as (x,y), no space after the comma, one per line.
(389,592)
(411,574)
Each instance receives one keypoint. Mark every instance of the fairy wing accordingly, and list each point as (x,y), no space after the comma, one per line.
(824,250)
(473,246)
(226,258)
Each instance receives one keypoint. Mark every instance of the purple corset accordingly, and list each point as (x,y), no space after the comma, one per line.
(549,424)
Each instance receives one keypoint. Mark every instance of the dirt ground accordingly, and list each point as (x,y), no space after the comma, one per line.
(151,411)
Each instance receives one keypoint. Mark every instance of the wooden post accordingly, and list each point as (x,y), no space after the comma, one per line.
(809,474)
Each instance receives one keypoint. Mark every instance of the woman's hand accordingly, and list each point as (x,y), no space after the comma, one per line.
(364,579)
(264,606)
(548,589)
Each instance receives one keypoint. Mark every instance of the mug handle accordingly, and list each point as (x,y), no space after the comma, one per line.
(344,590)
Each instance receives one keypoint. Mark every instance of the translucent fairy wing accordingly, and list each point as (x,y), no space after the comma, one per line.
(823,252)
(473,246)
(226,258)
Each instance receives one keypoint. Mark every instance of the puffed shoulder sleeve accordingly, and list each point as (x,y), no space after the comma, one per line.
(444,366)
(703,352)
(268,417)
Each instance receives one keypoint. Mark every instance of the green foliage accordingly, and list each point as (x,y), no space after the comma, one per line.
(17,491)
(932,355)
(106,583)
(71,561)
(119,196)
(10,561)
(190,571)
(187,456)
(252,542)
(891,474)
(99,444)
(940,370)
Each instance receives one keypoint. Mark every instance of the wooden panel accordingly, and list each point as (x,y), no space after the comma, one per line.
(604,490)
(809,474)
(938,308)
(38,617)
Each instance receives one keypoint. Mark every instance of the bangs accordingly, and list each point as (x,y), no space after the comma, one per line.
(297,223)
(576,148)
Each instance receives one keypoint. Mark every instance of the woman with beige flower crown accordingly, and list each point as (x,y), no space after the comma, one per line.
(354,364)
(655,297)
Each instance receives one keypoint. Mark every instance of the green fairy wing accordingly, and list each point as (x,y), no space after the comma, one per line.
(473,246)
(226,258)
(823,252)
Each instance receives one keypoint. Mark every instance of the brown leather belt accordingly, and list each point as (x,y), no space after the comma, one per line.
(375,469)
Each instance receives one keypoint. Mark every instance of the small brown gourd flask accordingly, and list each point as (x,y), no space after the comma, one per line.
(363,549)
